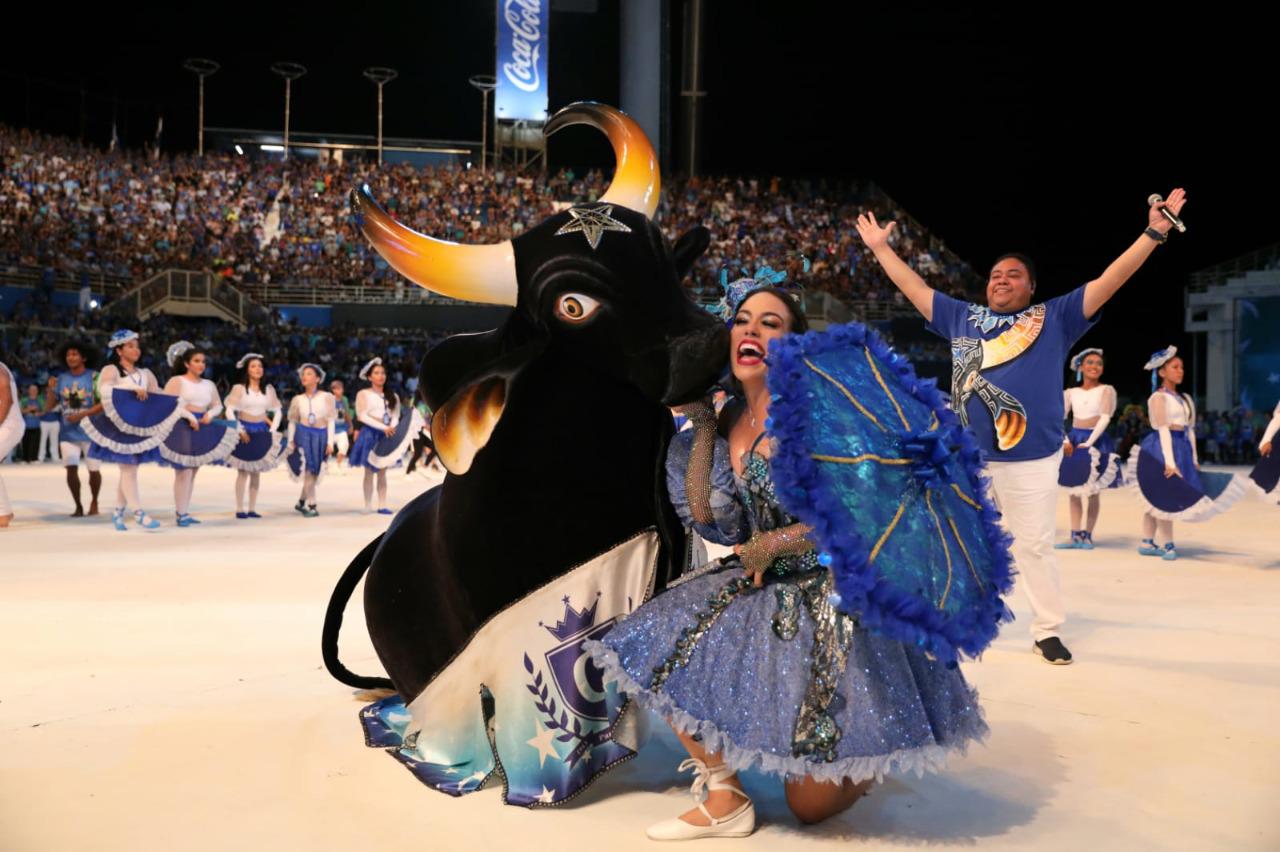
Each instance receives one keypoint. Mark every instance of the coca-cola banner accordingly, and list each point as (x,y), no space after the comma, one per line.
(522,59)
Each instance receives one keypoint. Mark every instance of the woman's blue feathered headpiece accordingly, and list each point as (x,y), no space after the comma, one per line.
(735,293)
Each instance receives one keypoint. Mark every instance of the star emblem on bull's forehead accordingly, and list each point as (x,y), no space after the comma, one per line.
(592,222)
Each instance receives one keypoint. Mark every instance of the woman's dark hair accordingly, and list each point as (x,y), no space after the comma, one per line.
(799,322)
(242,377)
(388,398)
(180,369)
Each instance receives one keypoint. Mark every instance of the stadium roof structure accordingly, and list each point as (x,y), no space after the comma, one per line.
(226,138)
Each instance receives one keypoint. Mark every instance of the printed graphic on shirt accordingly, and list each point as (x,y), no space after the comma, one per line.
(971,355)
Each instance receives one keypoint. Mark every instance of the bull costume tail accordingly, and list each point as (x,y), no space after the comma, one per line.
(333,622)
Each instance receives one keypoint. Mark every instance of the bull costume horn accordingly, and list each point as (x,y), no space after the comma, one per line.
(471,273)
(488,273)
(636,180)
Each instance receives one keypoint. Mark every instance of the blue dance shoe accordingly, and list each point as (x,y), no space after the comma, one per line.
(1149,548)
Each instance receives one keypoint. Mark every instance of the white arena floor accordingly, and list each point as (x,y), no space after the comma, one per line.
(164,691)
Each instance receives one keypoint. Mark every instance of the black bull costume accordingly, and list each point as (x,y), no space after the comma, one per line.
(554,520)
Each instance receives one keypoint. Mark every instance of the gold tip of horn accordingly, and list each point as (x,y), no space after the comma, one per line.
(637,179)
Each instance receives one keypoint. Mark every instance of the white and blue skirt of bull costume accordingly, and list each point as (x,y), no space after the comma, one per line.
(131,430)
(837,668)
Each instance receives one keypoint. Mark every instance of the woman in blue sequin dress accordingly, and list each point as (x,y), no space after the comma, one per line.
(747,658)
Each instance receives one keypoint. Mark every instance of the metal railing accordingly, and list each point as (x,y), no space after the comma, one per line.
(187,286)
(1262,258)
(63,281)
(330,294)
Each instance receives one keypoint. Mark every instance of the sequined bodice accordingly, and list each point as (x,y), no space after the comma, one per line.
(760,498)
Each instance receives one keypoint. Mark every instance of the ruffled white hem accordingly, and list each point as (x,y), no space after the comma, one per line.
(927,758)
(1097,482)
(161,429)
(268,462)
(1202,510)
(130,449)
(218,453)
(396,456)
(300,477)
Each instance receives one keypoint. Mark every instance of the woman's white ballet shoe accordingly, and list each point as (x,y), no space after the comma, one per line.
(739,823)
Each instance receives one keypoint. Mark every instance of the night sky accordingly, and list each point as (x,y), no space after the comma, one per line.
(1033,128)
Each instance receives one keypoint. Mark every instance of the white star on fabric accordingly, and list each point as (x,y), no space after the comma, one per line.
(592,222)
(542,741)
(546,796)
(451,771)
(475,776)
(1274,378)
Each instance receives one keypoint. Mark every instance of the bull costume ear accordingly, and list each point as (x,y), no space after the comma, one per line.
(462,427)
(465,380)
(691,246)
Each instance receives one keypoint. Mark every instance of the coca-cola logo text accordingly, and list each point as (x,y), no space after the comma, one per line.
(523,16)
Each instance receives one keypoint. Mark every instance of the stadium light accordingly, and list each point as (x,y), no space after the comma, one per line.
(201,68)
(380,76)
(290,71)
(239,150)
(271,147)
(486,83)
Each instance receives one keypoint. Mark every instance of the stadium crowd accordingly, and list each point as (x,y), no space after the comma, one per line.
(126,215)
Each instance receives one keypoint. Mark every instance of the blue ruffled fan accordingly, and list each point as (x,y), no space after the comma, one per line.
(873,459)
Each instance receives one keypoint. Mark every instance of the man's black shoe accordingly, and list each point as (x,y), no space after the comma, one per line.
(1053,651)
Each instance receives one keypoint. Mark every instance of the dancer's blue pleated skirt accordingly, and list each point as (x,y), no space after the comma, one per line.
(309,446)
(187,447)
(262,452)
(1191,495)
(1087,471)
(365,441)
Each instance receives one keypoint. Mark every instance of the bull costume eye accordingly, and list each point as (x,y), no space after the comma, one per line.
(575,307)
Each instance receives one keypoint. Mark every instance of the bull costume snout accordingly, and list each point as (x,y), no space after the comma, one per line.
(553,428)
